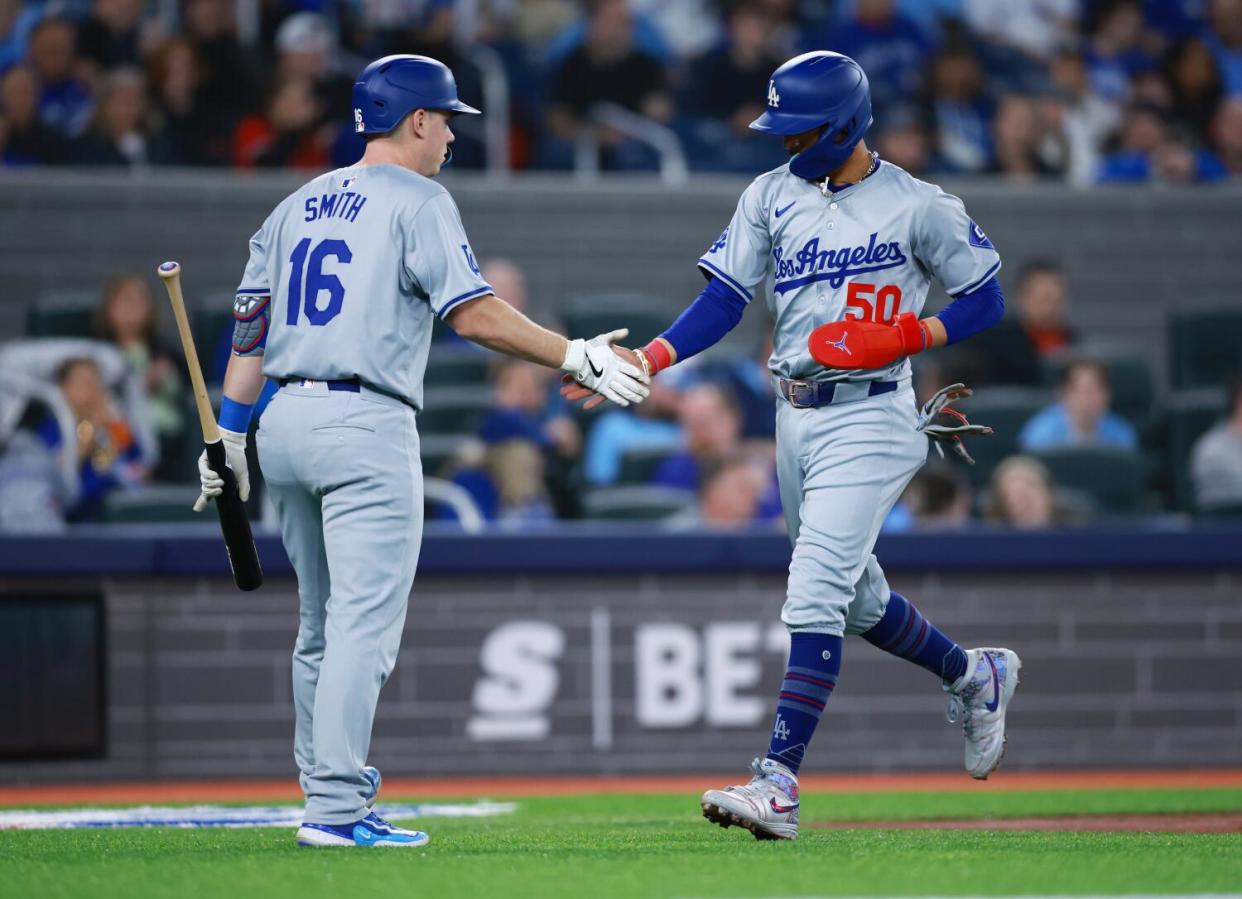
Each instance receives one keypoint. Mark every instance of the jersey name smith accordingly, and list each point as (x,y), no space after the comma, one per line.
(345,206)
(834,265)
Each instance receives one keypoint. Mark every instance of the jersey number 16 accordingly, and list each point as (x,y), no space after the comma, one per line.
(316,281)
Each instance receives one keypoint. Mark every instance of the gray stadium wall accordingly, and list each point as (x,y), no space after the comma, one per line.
(518,657)
(1132,254)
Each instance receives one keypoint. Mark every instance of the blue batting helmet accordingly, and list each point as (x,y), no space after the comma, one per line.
(390,87)
(819,89)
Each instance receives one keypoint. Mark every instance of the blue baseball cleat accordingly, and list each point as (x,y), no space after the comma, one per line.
(370,831)
(373,777)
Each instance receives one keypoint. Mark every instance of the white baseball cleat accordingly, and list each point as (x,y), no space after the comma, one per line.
(767,806)
(980,698)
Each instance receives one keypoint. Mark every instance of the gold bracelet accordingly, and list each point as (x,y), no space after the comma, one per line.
(646,363)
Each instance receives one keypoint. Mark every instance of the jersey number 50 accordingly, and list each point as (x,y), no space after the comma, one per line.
(887,302)
(316,281)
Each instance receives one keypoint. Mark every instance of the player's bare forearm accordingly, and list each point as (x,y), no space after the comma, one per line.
(491,322)
(243,379)
(939,336)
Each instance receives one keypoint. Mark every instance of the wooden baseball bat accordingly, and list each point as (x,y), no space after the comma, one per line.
(238,541)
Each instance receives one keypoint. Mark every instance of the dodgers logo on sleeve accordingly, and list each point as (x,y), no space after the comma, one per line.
(978,238)
(720,241)
(474,266)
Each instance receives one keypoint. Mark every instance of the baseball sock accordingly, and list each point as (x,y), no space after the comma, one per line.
(904,632)
(814,664)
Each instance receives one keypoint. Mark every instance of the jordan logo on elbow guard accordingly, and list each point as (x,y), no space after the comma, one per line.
(840,345)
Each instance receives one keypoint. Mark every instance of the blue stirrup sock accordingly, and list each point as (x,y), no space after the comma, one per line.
(814,665)
(904,632)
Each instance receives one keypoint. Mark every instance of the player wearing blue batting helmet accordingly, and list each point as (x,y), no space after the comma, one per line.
(823,90)
(392,87)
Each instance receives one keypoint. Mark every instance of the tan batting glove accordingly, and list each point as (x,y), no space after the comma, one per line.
(211,483)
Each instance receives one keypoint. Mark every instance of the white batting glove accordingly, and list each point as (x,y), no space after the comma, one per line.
(235,457)
(594,365)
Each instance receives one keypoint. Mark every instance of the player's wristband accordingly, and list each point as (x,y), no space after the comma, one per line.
(916,336)
(235,416)
(657,355)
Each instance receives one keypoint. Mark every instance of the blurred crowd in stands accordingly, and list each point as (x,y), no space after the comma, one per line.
(96,409)
(1087,91)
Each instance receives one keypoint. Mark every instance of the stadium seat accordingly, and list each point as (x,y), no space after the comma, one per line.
(1129,376)
(1006,410)
(644,315)
(453,410)
(636,503)
(454,366)
(1205,347)
(158,504)
(63,313)
(1114,478)
(1191,413)
(438,450)
(639,465)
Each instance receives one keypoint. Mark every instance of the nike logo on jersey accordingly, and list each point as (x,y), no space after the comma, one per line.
(781,212)
(811,264)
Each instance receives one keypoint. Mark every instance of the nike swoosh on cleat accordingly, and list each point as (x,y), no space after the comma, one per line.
(991,706)
(781,212)
(781,809)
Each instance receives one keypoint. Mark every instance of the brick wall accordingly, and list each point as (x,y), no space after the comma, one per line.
(673,673)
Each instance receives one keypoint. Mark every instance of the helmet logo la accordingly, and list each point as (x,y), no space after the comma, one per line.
(774,99)
(358,126)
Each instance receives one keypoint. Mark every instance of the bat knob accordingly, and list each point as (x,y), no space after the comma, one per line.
(168,269)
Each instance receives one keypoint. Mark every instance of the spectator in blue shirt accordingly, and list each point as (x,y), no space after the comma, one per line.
(64,102)
(892,50)
(1115,52)
(1150,151)
(1081,416)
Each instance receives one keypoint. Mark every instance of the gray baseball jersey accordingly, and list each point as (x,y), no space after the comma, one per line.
(356,262)
(867,251)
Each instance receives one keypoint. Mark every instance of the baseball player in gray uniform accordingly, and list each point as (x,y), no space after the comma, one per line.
(337,305)
(846,247)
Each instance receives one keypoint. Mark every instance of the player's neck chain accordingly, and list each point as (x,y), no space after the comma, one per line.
(875,164)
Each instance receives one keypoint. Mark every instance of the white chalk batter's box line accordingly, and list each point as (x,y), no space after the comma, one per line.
(190,816)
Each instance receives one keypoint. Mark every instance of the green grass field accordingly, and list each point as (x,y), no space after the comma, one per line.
(641,845)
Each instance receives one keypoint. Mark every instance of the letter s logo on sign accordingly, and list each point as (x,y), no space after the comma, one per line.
(520,680)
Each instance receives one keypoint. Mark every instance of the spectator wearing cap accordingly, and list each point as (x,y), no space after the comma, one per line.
(64,100)
(1149,150)
(891,49)
(111,35)
(1081,415)
(606,68)
(1227,135)
(1216,459)
(961,111)
(726,89)
(903,139)
(1224,38)
(24,138)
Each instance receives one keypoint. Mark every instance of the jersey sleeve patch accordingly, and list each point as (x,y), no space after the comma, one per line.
(978,238)
(250,323)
